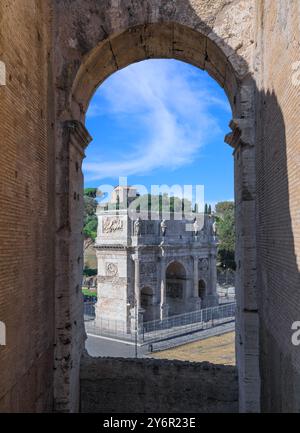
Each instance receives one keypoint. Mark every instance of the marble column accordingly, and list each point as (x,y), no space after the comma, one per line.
(196,277)
(213,275)
(195,299)
(137,312)
(137,291)
(163,291)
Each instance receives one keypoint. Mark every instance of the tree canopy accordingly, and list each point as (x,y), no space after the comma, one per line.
(163,202)
(90,221)
(225,221)
(90,192)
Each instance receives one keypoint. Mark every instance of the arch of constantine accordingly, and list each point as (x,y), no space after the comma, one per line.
(55,54)
(161,267)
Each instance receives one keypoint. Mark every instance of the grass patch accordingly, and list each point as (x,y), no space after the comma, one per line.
(90,293)
(219,349)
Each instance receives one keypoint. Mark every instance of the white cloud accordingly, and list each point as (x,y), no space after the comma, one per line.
(175,115)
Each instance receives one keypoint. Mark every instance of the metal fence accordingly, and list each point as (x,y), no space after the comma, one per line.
(110,328)
(160,329)
(89,310)
(188,322)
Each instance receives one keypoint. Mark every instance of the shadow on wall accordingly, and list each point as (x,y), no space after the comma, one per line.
(262,206)
(278,273)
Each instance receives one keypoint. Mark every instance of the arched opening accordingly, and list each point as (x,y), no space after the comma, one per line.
(149,307)
(155,90)
(193,47)
(176,285)
(201,289)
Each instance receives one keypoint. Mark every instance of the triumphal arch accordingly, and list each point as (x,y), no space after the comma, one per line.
(161,266)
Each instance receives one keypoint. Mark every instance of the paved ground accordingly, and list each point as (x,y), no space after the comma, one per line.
(101,346)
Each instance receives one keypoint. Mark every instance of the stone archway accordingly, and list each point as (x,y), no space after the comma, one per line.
(177,33)
(201,289)
(150,309)
(176,278)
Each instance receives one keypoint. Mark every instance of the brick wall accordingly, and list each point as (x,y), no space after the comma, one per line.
(153,386)
(26,210)
(278,192)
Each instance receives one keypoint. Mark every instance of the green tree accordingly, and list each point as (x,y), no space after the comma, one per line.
(88,272)
(90,192)
(226,234)
(163,202)
(90,220)
(90,227)
(222,206)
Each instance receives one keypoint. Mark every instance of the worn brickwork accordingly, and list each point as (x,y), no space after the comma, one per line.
(26,209)
(157,386)
(278,192)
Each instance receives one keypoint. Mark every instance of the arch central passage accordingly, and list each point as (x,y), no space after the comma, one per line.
(148,304)
(176,294)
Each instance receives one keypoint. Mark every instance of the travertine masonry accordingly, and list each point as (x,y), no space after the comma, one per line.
(156,386)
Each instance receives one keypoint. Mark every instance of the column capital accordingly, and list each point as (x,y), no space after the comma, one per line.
(242,133)
(135,257)
(79,135)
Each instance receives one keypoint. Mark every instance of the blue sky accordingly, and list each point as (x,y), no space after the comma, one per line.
(160,122)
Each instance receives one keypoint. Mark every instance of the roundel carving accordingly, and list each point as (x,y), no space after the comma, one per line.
(204,264)
(111,269)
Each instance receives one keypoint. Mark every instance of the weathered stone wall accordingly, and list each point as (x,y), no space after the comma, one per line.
(278,193)
(156,386)
(26,207)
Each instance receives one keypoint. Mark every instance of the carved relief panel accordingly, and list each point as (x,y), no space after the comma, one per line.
(112,224)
